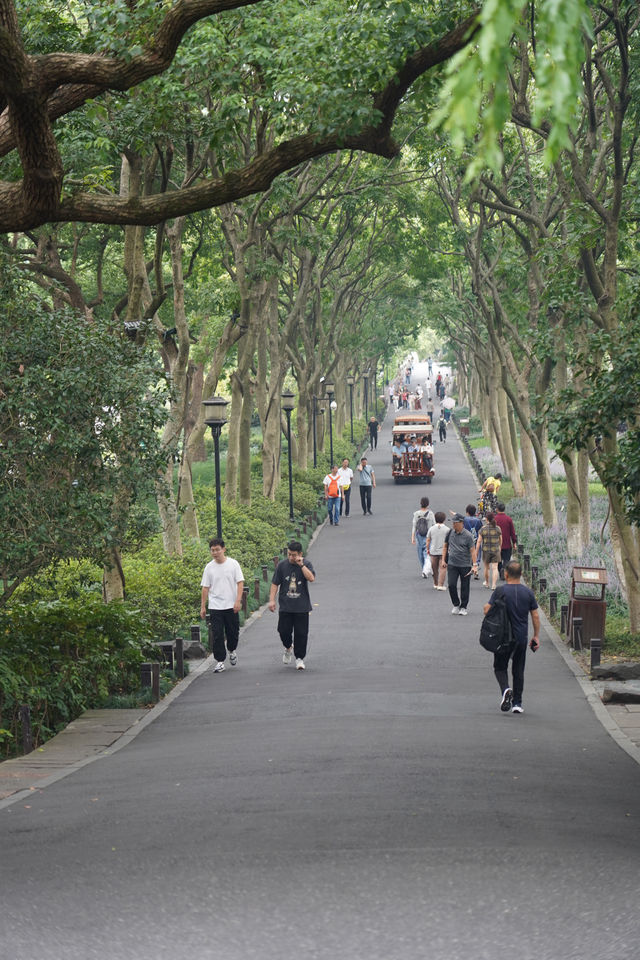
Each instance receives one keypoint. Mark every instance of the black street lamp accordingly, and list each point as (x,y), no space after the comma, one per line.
(350,382)
(288,403)
(215,409)
(329,387)
(366,395)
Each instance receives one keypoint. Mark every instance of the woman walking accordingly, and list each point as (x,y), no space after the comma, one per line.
(491,539)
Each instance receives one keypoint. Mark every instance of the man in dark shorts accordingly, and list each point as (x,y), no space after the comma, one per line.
(521,602)
(290,583)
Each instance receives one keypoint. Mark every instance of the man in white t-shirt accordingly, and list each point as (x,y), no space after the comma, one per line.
(346,479)
(222,585)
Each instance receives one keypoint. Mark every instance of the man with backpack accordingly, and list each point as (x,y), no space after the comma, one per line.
(333,495)
(520,602)
(423,520)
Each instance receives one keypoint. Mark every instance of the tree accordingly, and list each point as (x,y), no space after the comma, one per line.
(77,420)
(114,50)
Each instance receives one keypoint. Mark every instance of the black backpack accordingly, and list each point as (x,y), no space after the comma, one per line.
(423,525)
(496,635)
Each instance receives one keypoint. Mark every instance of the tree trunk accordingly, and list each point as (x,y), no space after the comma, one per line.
(166,501)
(187,502)
(575,543)
(529,468)
(510,454)
(113,586)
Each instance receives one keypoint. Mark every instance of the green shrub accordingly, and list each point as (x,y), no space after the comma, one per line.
(61,657)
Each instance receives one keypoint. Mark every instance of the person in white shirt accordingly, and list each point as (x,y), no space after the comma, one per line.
(222,585)
(333,495)
(346,478)
(434,545)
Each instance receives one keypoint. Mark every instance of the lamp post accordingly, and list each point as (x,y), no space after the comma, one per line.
(366,395)
(215,409)
(329,387)
(288,402)
(350,382)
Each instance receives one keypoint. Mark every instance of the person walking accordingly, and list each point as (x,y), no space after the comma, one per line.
(474,524)
(333,495)
(290,583)
(222,585)
(520,602)
(459,558)
(434,546)
(490,540)
(367,481)
(423,520)
(442,429)
(509,538)
(373,433)
(346,479)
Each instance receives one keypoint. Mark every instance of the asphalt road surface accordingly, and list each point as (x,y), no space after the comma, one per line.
(378,806)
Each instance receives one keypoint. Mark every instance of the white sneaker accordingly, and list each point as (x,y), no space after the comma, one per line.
(219,667)
(463,611)
(517,708)
(455,610)
(300,664)
(442,587)
(287,655)
(233,658)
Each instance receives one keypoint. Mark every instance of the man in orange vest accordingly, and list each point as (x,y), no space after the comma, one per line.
(333,495)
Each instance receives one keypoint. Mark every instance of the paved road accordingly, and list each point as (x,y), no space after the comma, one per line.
(376,807)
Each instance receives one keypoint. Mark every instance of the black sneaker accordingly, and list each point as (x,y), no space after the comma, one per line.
(507,700)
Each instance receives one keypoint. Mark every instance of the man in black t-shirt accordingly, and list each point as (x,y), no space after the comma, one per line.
(520,602)
(290,584)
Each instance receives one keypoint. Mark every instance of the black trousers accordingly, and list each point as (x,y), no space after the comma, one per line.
(453,574)
(501,670)
(294,627)
(505,557)
(365,498)
(346,501)
(223,622)
(373,440)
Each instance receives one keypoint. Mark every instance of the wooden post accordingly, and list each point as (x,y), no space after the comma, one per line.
(553,604)
(596,650)
(145,674)
(155,681)
(564,615)
(577,633)
(256,588)
(179,656)
(245,595)
(265,572)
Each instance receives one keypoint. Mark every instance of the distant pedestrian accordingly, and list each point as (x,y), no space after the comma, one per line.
(222,585)
(509,538)
(459,557)
(290,584)
(434,545)
(490,537)
(489,500)
(430,364)
(333,495)
(346,479)
(423,520)
(520,602)
(373,433)
(367,481)
(442,429)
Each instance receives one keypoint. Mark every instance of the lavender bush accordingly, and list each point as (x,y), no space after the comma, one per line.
(548,549)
